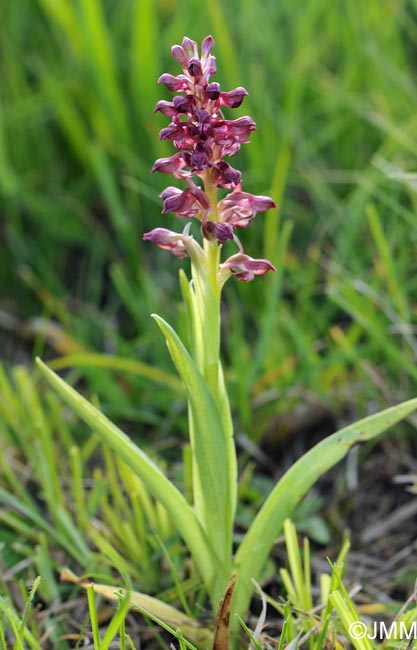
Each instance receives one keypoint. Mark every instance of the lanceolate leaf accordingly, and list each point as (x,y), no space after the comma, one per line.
(209,450)
(158,485)
(256,546)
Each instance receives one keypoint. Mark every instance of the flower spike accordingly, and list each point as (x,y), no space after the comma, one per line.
(203,138)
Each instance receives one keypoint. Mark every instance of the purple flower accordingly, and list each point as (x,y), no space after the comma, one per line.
(200,158)
(181,83)
(233,98)
(239,208)
(225,176)
(175,131)
(184,203)
(171,165)
(190,48)
(221,232)
(166,108)
(245,268)
(168,240)
(234,130)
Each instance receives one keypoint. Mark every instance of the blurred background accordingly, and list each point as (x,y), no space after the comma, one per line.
(328,339)
(332,89)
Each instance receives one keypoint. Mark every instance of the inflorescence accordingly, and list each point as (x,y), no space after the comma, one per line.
(203,138)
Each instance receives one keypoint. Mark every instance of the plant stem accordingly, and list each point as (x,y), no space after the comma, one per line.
(205,289)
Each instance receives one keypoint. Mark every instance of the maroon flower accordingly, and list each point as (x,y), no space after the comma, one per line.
(245,268)
(168,240)
(166,108)
(221,232)
(184,203)
(234,130)
(225,176)
(176,131)
(233,98)
(172,165)
(239,208)
(181,83)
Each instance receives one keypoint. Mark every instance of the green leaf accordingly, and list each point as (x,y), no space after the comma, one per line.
(118,364)
(156,482)
(256,546)
(209,447)
(349,617)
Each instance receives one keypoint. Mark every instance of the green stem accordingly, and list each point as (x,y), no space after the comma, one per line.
(211,318)
(210,298)
(206,295)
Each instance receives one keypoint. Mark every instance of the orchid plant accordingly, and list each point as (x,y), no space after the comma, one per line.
(203,138)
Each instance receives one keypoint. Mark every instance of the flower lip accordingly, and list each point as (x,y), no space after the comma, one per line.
(199,159)
(221,232)
(194,68)
(225,176)
(213,90)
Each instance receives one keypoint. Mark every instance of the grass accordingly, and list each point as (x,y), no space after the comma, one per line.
(332,91)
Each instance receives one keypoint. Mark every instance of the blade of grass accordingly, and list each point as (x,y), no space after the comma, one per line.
(157,483)
(122,364)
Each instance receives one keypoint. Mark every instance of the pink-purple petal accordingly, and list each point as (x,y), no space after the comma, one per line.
(221,232)
(190,47)
(185,204)
(167,240)
(168,165)
(176,84)
(245,268)
(207,46)
(179,55)
(233,98)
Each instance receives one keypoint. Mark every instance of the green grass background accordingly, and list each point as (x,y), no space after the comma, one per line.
(333,91)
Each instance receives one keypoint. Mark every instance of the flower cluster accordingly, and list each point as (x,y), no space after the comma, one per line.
(203,137)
